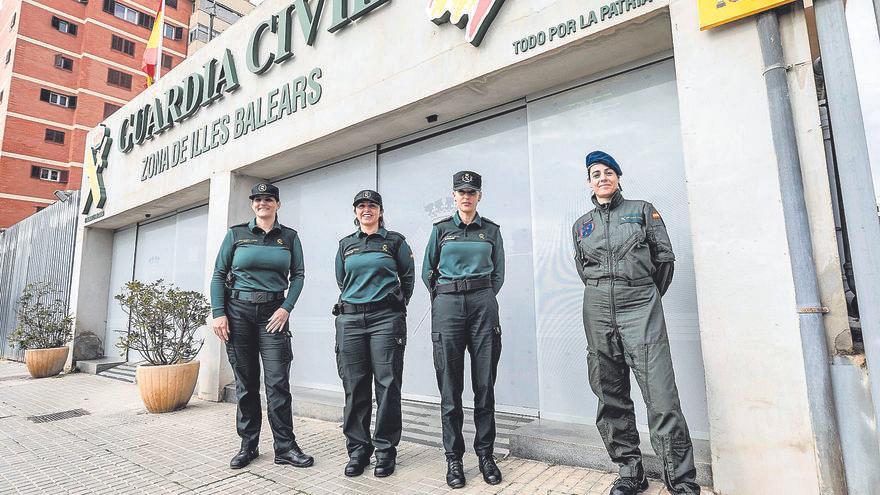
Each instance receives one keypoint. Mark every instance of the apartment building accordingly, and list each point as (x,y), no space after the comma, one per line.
(66,65)
(203,29)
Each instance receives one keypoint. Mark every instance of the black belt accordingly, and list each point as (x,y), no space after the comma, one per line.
(639,282)
(349,308)
(255,296)
(466,285)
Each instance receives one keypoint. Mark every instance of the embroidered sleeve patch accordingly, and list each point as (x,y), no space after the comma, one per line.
(586,229)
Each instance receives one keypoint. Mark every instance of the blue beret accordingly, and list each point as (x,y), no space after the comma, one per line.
(605,159)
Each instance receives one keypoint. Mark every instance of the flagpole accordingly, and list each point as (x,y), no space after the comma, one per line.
(161,43)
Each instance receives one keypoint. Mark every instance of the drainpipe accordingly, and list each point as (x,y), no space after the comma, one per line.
(854,171)
(806,286)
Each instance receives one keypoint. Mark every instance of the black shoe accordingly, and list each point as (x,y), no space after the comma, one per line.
(454,473)
(384,467)
(243,458)
(294,457)
(355,466)
(491,473)
(629,486)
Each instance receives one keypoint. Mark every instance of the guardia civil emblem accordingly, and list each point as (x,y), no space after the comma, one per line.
(385,247)
(466,177)
(367,194)
(262,188)
(96,162)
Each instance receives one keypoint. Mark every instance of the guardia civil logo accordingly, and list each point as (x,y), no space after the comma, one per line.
(96,162)
(474,16)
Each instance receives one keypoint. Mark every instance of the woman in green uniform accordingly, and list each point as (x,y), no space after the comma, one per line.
(374,271)
(257,262)
(625,259)
(464,270)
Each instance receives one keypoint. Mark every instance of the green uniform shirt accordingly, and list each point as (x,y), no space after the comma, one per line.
(259,261)
(369,267)
(458,251)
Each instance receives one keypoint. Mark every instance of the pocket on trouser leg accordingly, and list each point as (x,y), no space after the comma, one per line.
(594,375)
(496,347)
(399,347)
(337,349)
(439,355)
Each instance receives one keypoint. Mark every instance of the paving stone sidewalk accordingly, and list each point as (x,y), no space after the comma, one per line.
(116,447)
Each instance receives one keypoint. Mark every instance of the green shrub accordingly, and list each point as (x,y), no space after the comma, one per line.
(164,321)
(43,321)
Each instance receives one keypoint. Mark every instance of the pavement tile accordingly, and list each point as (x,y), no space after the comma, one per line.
(118,448)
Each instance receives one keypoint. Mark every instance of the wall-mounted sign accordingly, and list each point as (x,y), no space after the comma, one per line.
(95,163)
(474,16)
(714,13)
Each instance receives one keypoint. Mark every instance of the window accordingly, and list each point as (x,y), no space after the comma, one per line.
(171,3)
(64,26)
(109,109)
(122,45)
(57,98)
(49,174)
(129,14)
(63,63)
(54,136)
(200,33)
(167,61)
(117,78)
(172,33)
(8,55)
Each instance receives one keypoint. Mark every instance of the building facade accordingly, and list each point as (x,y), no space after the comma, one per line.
(211,18)
(66,66)
(390,95)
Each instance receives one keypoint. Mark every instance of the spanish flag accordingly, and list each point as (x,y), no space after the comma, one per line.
(153,54)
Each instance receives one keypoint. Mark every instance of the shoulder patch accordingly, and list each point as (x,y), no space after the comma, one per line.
(444,219)
(490,221)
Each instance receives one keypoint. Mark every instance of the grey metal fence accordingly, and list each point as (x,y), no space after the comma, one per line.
(39,248)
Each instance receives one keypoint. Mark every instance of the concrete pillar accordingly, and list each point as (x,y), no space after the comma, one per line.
(761,435)
(89,292)
(227,206)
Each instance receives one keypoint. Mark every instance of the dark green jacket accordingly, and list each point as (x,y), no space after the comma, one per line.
(624,240)
(259,261)
(457,251)
(369,267)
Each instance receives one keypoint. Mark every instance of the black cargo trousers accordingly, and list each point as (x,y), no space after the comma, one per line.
(466,321)
(369,352)
(248,343)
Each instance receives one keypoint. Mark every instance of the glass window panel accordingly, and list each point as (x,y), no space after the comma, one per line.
(634,117)
(416,186)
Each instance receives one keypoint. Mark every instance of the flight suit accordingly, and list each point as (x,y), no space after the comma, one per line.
(376,275)
(625,259)
(261,266)
(464,270)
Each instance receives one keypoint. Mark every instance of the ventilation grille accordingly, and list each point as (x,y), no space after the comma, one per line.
(48,418)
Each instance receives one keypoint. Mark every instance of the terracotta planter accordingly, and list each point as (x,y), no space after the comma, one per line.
(168,387)
(45,362)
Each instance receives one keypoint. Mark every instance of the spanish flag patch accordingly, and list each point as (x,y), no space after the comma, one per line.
(655,215)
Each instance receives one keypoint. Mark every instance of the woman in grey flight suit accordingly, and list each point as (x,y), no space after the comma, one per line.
(464,270)
(257,262)
(374,271)
(625,259)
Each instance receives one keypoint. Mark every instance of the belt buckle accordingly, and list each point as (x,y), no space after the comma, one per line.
(460,285)
(259,297)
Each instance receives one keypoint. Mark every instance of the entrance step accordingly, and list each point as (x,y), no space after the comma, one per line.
(580,445)
(124,372)
(421,420)
(95,366)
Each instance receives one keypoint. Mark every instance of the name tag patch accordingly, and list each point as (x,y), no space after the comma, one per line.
(632,219)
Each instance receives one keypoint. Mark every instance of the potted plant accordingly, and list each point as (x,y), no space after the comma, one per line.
(164,320)
(44,329)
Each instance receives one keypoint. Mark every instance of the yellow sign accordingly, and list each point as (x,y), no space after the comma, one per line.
(714,13)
